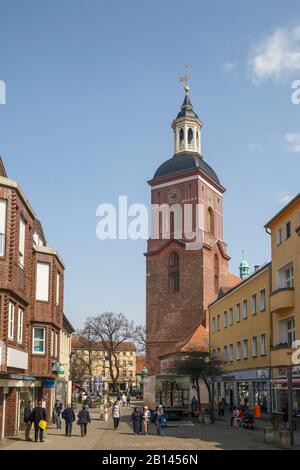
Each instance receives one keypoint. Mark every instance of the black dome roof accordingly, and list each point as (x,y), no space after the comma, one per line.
(182,163)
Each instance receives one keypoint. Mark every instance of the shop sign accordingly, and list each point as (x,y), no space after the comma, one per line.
(263,373)
(282,372)
(49,383)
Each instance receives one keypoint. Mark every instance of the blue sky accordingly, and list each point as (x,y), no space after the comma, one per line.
(92,88)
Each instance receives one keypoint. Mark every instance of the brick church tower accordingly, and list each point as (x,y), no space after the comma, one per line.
(181,282)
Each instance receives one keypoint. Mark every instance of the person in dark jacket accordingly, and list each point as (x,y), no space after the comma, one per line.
(137,419)
(28,420)
(38,414)
(83,420)
(57,411)
(69,416)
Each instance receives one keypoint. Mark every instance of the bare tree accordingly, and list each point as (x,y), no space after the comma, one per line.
(111,330)
(140,338)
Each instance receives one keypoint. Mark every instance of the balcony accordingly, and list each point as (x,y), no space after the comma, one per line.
(282,299)
(281,355)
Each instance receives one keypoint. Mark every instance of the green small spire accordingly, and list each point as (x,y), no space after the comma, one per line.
(244,268)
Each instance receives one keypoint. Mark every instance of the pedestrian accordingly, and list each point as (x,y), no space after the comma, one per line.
(57,411)
(221,408)
(128,398)
(69,417)
(146,419)
(28,419)
(116,414)
(123,398)
(105,413)
(83,419)
(160,421)
(136,419)
(233,416)
(39,416)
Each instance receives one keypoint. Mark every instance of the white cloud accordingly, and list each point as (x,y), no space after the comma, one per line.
(229,66)
(276,57)
(293,141)
(285,197)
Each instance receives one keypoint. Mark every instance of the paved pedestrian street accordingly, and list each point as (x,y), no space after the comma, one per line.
(186,435)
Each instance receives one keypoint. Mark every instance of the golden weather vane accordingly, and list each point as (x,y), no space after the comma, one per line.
(185,78)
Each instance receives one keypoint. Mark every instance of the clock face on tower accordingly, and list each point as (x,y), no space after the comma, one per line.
(174,195)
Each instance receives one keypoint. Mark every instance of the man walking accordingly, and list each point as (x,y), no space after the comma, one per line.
(83,420)
(57,413)
(38,414)
(28,420)
(116,414)
(69,417)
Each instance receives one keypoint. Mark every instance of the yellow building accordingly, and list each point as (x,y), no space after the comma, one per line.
(240,336)
(254,326)
(284,229)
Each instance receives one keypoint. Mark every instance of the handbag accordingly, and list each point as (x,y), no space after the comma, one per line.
(43,424)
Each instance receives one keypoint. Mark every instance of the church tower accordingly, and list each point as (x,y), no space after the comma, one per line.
(180,283)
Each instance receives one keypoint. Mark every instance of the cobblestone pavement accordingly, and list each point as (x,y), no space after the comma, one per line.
(191,436)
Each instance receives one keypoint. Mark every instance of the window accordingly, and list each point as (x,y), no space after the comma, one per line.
(39,340)
(285,277)
(213,325)
(225,353)
(181,136)
(22,242)
(42,281)
(174,282)
(124,363)
(52,342)
(230,315)
(218,323)
(3,206)
(130,363)
(174,259)
(263,344)
(286,330)
(11,314)
(254,346)
(20,325)
(245,349)
(57,288)
(190,136)
(287,230)
(263,300)
(37,240)
(291,333)
(55,344)
(254,304)
(225,319)
(210,221)
(245,308)
(238,313)
(231,352)
(279,236)
(238,351)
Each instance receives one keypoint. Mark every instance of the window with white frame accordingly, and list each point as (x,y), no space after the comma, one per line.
(218,323)
(263,344)
(52,342)
(245,349)
(287,332)
(225,353)
(263,300)
(279,236)
(230,316)
(22,228)
(245,309)
(42,281)
(39,340)
(214,325)
(254,346)
(254,304)
(56,345)
(57,288)
(288,230)
(238,312)
(225,319)
(238,351)
(20,325)
(11,320)
(3,207)
(285,276)
(231,352)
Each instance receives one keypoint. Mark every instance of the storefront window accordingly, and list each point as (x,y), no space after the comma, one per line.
(243,393)
(280,399)
(260,392)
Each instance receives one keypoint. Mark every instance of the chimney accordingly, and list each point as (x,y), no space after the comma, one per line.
(256,268)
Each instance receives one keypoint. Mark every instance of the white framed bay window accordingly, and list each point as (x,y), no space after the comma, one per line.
(11,320)
(20,325)
(39,340)
(42,281)
(22,242)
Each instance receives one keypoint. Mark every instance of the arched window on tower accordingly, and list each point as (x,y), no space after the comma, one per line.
(174,272)
(216,274)
(197,140)
(190,136)
(181,137)
(210,221)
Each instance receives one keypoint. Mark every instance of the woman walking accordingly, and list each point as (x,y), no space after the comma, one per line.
(83,420)
(137,419)
(160,421)
(116,414)
(146,419)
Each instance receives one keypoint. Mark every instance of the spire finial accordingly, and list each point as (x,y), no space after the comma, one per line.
(186,78)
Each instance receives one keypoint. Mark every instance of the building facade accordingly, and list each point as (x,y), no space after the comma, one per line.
(181,278)
(31,313)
